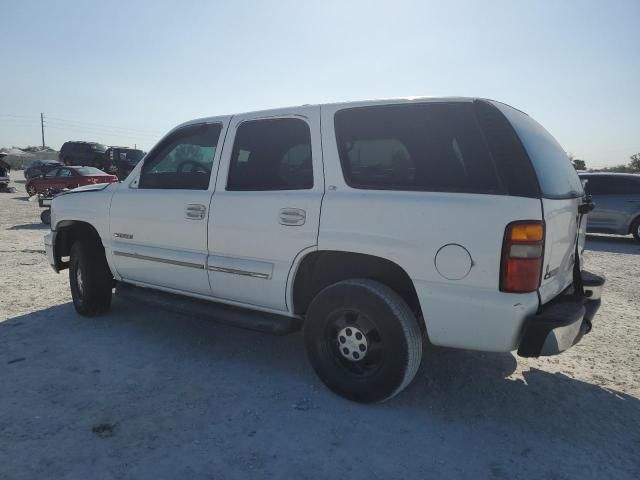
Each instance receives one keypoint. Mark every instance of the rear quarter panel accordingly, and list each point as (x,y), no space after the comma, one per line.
(409,228)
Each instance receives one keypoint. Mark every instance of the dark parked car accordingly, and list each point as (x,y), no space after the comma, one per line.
(36,168)
(4,173)
(88,154)
(122,160)
(68,177)
(617,199)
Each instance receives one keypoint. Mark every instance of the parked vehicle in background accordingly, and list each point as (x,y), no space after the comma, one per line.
(5,168)
(68,177)
(36,168)
(121,160)
(88,154)
(372,223)
(617,199)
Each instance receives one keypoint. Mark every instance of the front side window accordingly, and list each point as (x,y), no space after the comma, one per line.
(424,147)
(273,154)
(182,161)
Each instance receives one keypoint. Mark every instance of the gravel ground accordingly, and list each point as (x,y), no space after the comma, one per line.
(146,394)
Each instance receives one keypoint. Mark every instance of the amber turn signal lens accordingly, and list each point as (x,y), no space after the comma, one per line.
(527,232)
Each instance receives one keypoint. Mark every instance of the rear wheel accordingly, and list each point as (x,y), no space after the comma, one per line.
(90,279)
(362,340)
(45,216)
(635,229)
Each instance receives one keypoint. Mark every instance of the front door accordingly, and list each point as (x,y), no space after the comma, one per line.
(158,219)
(266,208)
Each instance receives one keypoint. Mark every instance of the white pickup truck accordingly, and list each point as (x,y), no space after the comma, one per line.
(373,224)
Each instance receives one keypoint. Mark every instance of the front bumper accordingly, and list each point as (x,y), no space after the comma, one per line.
(562,323)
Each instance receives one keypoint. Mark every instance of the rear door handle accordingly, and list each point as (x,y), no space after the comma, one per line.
(195,211)
(292,216)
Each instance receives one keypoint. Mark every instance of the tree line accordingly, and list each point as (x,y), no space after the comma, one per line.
(632,167)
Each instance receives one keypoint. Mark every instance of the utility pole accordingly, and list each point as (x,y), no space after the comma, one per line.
(42,127)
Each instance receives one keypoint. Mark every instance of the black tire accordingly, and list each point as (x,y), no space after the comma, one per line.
(90,279)
(45,216)
(392,345)
(635,229)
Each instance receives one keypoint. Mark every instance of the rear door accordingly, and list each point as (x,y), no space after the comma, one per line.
(617,199)
(266,208)
(562,194)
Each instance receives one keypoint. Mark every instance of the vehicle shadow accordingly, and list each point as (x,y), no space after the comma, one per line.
(612,244)
(185,391)
(30,226)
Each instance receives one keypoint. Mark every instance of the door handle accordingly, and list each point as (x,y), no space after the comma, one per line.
(195,211)
(292,216)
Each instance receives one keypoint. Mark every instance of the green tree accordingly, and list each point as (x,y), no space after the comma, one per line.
(634,164)
(576,162)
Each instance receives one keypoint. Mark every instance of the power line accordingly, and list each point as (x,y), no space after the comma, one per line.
(101,125)
(99,132)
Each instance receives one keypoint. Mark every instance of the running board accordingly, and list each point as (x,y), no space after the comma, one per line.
(271,323)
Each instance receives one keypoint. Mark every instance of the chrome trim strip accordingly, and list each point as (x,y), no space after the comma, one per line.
(245,273)
(137,256)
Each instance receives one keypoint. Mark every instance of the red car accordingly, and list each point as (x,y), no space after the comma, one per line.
(68,177)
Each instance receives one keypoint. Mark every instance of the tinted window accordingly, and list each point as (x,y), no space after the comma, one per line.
(182,161)
(610,185)
(64,172)
(52,173)
(556,175)
(89,171)
(437,147)
(271,155)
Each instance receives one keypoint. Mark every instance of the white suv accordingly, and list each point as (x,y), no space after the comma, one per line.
(373,224)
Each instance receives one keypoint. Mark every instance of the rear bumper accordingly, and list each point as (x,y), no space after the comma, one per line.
(562,323)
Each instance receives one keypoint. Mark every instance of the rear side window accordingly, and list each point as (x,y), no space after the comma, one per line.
(424,147)
(556,175)
(272,154)
(611,185)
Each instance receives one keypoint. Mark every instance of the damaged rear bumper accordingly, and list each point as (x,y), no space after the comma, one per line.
(562,323)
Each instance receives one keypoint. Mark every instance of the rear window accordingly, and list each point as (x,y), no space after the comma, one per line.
(424,147)
(89,171)
(556,175)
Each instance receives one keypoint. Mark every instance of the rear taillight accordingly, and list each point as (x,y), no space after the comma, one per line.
(522,252)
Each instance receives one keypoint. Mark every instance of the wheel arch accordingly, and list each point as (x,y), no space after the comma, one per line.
(318,269)
(69,231)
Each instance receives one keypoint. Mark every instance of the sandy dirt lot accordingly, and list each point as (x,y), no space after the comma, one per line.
(145,394)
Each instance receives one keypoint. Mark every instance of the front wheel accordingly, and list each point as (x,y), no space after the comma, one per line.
(31,190)
(635,229)
(362,340)
(90,279)
(45,217)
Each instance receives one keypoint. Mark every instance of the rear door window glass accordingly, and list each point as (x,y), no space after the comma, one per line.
(427,147)
(273,154)
(612,185)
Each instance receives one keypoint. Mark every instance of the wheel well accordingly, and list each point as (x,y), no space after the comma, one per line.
(318,270)
(68,233)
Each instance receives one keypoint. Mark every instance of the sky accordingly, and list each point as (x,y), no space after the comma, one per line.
(125,72)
